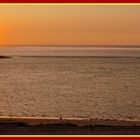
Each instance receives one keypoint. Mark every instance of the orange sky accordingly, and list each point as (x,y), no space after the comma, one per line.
(77,25)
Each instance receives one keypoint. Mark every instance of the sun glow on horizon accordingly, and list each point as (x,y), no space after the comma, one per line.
(3,34)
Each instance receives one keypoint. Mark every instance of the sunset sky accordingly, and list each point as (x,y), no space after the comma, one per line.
(69,25)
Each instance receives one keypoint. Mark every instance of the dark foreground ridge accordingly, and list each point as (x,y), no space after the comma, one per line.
(66,129)
(54,126)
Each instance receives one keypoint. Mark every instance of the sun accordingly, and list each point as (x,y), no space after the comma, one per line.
(3,34)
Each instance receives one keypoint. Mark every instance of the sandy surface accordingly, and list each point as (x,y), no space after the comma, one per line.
(87,87)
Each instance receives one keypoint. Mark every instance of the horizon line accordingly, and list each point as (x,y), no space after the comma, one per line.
(67,45)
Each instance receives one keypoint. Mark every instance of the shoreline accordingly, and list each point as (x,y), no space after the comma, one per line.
(33,121)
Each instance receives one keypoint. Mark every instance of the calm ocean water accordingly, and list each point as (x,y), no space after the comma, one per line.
(88,87)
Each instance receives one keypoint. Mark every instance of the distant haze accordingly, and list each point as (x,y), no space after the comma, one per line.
(69,25)
(70,51)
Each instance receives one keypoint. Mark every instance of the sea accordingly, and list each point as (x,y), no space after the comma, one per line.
(97,82)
